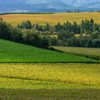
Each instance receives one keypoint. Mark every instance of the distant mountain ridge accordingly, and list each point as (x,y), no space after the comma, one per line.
(84,3)
(49,5)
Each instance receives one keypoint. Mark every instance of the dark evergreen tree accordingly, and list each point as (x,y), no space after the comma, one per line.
(57,27)
(65,34)
(87,26)
(81,42)
(4,30)
(75,28)
(45,42)
(37,41)
(26,25)
(16,35)
(95,27)
(36,27)
(47,27)
(53,41)
(95,34)
(97,43)
(90,43)
(74,42)
(91,22)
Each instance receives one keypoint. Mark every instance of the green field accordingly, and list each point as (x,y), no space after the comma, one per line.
(50,94)
(15,52)
(81,51)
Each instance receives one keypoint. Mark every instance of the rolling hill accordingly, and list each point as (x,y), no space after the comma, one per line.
(16,52)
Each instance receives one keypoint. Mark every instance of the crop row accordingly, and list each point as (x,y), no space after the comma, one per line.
(50,94)
(15,83)
(89,52)
(79,73)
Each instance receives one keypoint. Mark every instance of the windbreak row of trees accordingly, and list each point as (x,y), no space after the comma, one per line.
(66,33)
(86,26)
(43,36)
(66,26)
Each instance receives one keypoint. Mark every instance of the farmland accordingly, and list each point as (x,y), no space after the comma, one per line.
(63,80)
(50,94)
(22,74)
(28,72)
(87,74)
(52,19)
(35,77)
(89,52)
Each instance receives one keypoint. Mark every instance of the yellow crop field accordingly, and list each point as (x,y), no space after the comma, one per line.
(76,35)
(52,19)
(53,36)
(74,73)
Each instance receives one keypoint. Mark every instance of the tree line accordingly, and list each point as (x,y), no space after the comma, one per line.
(38,35)
(8,32)
(66,33)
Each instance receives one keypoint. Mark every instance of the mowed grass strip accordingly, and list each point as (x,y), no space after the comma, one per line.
(16,52)
(50,94)
(90,52)
(74,73)
(52,19)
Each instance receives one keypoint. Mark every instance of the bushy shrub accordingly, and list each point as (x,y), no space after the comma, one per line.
(65,34)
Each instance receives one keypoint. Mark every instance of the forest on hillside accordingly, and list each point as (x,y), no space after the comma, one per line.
(44,36)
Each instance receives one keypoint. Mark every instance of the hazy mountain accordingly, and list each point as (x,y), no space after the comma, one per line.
(49,5)
(84,3)
(87,3)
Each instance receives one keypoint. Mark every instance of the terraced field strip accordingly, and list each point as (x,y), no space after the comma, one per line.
(52,19)
(70,73)
(15,83)
(49,94)
(90,52)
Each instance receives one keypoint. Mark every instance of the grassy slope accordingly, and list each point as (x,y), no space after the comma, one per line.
(15,52)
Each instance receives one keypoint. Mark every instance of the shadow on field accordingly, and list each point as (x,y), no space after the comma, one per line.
(50,94)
